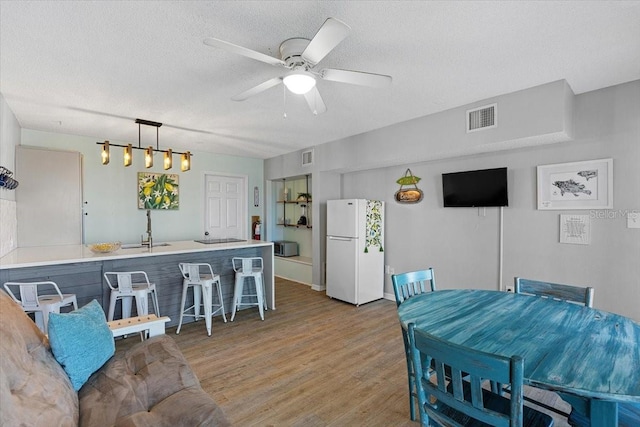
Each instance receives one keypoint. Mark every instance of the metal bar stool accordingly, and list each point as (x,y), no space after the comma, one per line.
(40,305)
(244,268)
(128,285)
(200,278)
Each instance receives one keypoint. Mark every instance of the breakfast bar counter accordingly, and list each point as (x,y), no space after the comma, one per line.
(76,269)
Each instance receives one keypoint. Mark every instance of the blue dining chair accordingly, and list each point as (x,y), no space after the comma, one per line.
(568,293)
(461,400)
(557,291)
(405,286)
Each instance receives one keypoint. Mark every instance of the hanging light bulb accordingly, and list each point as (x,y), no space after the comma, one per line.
(168,160)
(105,153)
(185,162)
(148,157)
(128,155)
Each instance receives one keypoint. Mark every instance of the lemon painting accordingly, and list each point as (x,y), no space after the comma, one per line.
(157,191)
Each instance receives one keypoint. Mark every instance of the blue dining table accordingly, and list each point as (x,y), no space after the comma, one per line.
(566,347)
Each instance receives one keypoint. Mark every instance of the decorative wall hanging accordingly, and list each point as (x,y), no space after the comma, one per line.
(578,185)
(575,229)
(158,191)
(408,195)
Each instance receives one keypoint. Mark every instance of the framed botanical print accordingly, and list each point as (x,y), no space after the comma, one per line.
(158,191)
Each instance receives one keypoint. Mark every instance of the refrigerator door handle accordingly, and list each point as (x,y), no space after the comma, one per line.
(346,239)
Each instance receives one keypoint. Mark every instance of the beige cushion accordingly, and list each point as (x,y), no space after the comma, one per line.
(150,384)
(34,389)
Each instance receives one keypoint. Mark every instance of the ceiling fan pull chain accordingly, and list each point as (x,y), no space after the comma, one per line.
(315,103)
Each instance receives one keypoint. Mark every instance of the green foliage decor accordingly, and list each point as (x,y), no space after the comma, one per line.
(158,191)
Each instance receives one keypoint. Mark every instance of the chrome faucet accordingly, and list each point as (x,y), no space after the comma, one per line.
(149,241)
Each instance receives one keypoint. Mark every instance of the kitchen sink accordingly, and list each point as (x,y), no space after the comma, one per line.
(223,240)
(138,245)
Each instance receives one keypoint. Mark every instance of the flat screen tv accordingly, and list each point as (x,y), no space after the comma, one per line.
(487,187)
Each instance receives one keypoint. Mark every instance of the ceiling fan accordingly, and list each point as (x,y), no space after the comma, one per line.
(300,56)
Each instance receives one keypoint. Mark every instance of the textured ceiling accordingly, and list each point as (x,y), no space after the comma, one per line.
(91,68)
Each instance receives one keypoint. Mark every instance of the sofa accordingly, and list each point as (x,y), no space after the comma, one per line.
(150,384)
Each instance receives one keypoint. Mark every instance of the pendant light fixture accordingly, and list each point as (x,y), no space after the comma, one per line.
(128,155)
(168,159)
(105,153)
(148,157)
(185,160)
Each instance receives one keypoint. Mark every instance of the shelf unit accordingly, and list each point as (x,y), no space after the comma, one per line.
(286,206)
(289,212)
(300,204)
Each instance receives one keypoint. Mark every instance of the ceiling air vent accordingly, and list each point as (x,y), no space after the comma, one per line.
(307,158)
(482,118)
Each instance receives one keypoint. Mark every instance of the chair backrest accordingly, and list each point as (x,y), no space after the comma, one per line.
(406,285)
(195,271)
(247,265)
(29,292)
(466,395)
(555,291)
(123,280)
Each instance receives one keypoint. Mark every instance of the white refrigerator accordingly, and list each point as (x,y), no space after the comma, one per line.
(355,244)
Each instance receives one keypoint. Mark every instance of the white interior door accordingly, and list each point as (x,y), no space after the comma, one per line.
(225,206)
(49,198)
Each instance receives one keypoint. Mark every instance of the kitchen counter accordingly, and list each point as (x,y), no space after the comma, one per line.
(53,255)
(76,269)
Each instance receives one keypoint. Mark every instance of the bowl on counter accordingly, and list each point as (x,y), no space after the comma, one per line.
(104,248)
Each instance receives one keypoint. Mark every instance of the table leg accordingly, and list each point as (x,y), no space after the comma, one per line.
(604,413)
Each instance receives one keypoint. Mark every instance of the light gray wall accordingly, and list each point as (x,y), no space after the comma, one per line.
(463,244)
(9,139)
(110,191)
(534,116)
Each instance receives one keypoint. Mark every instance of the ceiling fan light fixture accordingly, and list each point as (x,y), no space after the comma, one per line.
(299,82)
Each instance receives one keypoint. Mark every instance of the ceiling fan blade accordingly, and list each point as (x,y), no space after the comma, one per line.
(257,89)
(316,104)
(356,77)
(328,36)
(230,47)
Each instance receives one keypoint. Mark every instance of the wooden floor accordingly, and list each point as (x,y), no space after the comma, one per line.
(313,361)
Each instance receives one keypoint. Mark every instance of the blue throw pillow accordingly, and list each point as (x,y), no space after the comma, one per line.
(81,341)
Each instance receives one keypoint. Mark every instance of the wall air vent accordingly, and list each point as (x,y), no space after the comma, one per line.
(307,158)
(482,118)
